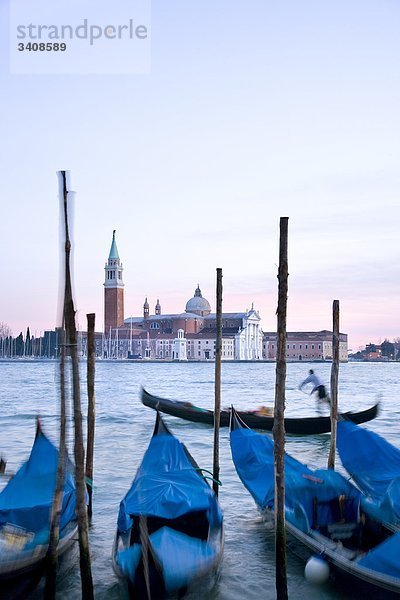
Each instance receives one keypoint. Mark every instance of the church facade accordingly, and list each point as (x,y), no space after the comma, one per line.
(189,335)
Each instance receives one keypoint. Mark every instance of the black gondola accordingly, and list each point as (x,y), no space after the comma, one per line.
(294,425)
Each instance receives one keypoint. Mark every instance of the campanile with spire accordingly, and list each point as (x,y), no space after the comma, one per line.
(113,290)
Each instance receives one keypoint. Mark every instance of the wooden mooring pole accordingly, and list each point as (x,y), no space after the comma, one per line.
(217,389)
(79,452)
(54,537)
(334,383)
(91,413)
(279,414)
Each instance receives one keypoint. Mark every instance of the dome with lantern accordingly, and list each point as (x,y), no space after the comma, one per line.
(198,305)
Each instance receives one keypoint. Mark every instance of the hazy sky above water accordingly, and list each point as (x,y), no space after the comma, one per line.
(251,111)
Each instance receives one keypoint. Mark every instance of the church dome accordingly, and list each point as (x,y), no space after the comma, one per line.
(198,305)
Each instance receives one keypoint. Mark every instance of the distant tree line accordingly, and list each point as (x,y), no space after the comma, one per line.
(27,346)
(387,350)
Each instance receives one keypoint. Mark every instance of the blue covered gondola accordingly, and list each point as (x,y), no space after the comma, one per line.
(323,512)
(169,533)
(374,465)
(25,507)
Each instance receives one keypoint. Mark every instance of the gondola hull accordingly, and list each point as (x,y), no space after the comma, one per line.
(21,575)
(322,514)
(293,425)
(341,561)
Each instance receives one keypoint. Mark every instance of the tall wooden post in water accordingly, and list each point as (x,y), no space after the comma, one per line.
(217,403)
(51,559)
(91,363)
(79,452)
(334,383)
(279,414)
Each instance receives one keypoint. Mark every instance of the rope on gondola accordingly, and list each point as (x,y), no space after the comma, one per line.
(217,481)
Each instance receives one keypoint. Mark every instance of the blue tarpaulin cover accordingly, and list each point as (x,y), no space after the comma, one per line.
(27,499)
(167,485)
(374,464)
(253,456)
(128,560)
(181,556)
(385,557)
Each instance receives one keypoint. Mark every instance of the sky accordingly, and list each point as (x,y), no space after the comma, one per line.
(240,113)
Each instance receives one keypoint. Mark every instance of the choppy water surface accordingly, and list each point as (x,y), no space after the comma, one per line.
(123,431)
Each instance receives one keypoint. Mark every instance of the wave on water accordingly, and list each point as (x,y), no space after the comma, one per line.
(104,418)
(26,416)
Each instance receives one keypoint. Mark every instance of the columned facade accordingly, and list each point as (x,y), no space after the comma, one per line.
(248,340)
(179,349)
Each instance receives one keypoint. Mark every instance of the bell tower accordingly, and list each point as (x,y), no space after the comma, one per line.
(146,311)
(113,290)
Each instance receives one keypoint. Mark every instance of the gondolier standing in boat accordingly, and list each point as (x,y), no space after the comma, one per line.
(318,387)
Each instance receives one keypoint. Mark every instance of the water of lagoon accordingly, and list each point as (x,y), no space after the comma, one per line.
(123,431)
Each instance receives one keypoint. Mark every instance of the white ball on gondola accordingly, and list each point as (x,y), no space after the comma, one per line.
(317,570)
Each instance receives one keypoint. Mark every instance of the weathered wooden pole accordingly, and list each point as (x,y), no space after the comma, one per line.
(334,383)
(51,567)
(217,387)
(91,413)
(279,414)
(79,452)
(144,540)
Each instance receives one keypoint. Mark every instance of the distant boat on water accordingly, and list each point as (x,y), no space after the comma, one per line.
(254,419)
